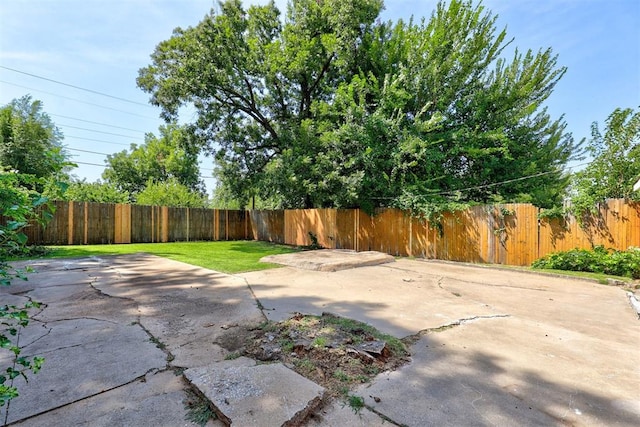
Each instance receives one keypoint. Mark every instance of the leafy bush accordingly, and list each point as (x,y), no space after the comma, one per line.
(599,260)
(19,205)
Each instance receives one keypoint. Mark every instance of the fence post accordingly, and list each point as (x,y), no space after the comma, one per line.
(70,224)
(188,225)
(165,223)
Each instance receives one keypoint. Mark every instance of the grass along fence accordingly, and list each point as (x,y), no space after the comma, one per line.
(508,234)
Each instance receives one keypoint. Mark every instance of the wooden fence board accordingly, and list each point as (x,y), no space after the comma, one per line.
(267,226)
(200,221)
(237,225)
(178,224)
(144,224)
(345,231)
(300,222)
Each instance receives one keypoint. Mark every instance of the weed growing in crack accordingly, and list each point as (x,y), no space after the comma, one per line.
(355,402)
(159,344)
(199,410)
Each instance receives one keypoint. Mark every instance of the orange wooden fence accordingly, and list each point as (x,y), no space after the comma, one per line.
(508,234)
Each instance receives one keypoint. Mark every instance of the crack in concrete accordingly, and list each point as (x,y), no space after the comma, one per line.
(159,344)
(44,325)
(384,417)
(141,378)
(469,281)
(415,337)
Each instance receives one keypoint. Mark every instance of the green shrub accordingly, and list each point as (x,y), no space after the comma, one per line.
(599,260)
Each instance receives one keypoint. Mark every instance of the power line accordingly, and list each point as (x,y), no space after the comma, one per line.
(86,151)
(79,100)
(98,131)
(97,123)
(76,87)
(97,140)
(90,164)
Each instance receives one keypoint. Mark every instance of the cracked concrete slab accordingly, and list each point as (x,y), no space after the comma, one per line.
(339,414)
(495,371)
(184,305)
(153,400)
(83,358)
(519,348)
(329,259)
(108,324)
(418,301)
(248,394)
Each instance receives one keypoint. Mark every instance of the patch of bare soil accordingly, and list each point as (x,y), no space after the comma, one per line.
(335,352)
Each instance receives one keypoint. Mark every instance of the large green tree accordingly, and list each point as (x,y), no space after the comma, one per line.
(172,155)
(330,107)
(615,167)
(30,143)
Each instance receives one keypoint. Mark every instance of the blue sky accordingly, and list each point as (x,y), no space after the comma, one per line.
(100,45)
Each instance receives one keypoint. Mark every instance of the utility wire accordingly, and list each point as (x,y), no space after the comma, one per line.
(90,164)
(478,187)
(97,123)
(97,140)
(98,131)
(78,100)
(76,87)
(86,151)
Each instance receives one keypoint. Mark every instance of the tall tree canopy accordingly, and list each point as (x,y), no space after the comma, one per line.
(30,143)
(172,155)
(330,107)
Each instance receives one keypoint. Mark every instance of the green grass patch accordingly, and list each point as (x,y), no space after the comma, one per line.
(226,256)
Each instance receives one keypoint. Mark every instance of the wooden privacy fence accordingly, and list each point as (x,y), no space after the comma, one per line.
(78,223)
(508,234)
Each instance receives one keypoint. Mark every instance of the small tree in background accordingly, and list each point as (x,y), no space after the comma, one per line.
(170,193)
(97,192)
(616,162)
(172,155)
(30,143)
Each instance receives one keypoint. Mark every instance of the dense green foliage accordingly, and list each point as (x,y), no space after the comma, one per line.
(19,204)
(616,163)
(172,155)
(331,107)
(170,193)
(599,260)
(82,191)
(30,143)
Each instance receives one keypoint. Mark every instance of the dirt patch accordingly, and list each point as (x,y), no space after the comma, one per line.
(332,351)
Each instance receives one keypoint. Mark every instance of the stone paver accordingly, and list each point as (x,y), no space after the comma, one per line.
(330,259)
(247,394)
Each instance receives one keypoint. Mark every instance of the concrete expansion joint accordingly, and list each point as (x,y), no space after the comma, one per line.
(258,303)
